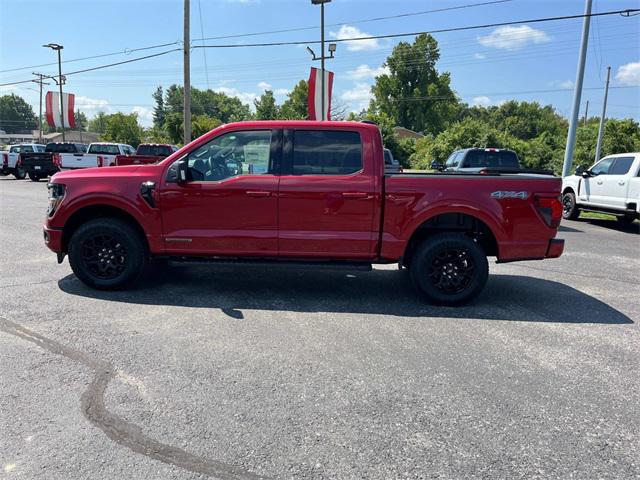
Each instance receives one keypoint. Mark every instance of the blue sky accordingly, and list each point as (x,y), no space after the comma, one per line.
(487,66)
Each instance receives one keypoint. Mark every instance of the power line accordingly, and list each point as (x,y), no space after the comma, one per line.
(204,52)
(128,51)
(352,22)
(626,12)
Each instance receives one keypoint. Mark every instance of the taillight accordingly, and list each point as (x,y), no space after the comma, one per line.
(100,161)
(56,160)
(19,161)
(5,160)
(551,210)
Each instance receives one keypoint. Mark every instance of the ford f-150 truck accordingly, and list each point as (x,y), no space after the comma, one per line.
(12,159)
(146,153)
(42,164)
(99,154)
(303,193)
(611,186)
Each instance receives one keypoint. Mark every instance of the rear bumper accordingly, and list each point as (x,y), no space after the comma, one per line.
(53,239)
(555,249)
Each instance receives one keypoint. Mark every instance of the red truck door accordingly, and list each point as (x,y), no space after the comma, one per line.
(327,194)
(229,205)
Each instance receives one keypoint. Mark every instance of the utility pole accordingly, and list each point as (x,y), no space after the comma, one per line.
(604,111)
(187,76)
(40,81)
(322,57)
(586,113)
(58,48)
(577,92)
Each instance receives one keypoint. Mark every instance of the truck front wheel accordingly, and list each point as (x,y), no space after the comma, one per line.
(19,173)
(107,254)
(570,210)
(449,269)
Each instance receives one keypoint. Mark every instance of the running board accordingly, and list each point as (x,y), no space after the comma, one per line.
(292,264)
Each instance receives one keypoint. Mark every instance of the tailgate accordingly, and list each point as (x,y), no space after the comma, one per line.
(37,159)
(78,160)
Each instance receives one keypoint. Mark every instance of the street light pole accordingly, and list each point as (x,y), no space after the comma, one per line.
(187,76)
(40,82)
(56,47)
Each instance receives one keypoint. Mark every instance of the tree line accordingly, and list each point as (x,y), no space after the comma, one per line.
(411,93)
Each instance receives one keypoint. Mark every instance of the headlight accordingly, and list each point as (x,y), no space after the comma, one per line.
(56,194)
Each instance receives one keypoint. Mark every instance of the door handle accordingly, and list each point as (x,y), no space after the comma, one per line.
(258,193)
(620,183)
(355,195)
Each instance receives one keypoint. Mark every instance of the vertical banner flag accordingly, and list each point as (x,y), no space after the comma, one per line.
(52,101)
(315,94)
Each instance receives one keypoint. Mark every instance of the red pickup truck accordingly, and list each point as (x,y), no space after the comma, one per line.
(303,193)
(146,153)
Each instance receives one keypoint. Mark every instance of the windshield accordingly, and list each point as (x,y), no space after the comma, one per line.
(491,159)
(154,150)
(104,149)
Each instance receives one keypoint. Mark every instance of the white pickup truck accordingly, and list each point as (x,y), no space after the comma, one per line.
(610,186)
(11,160)
(98,155)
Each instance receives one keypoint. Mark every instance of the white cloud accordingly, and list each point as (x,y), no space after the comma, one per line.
(91,104)
(513,38)
(629,74)
(479,56)
(358,96)
(347,31)
(145,115)
(245,97)
(566,84)
(264,86)
(281,91)
(482,101)
(365,72)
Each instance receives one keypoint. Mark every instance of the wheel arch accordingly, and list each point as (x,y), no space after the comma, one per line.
(454,222)
(92,212)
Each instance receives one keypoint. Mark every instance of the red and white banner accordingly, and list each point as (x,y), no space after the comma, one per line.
(315,94)
(53,109)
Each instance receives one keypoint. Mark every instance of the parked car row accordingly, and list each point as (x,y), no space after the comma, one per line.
(41,161)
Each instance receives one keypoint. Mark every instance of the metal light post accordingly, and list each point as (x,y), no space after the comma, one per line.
(322,57)
(602,117)
(56,47)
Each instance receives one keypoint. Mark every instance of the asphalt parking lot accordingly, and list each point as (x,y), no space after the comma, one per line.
(246,373)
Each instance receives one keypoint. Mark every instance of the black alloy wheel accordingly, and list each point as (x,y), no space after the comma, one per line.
(104,256)
(449,268)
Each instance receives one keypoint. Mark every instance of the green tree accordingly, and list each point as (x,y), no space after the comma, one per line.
(266,107)
(123,128)
(295,107)
(80,119)
(413,94)
(98,123)
(158,109)
(16,115)
(207,102)
(619,136)
(173,126)
(202,124)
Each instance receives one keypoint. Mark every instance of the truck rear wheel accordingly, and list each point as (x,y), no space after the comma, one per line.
(19,173)
(33,177)
(107,254)
(570,210)
(449,269)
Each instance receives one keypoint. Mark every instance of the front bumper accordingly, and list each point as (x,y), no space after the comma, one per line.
(555,249)
(53,239)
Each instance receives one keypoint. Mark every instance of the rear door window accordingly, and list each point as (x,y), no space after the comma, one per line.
(621,166)
(453,159)
(326,152)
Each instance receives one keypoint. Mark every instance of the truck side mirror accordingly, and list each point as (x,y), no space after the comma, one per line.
(183,171)
(435,165)
(580,170)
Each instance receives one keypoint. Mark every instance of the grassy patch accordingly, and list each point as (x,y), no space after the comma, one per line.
(597,216)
